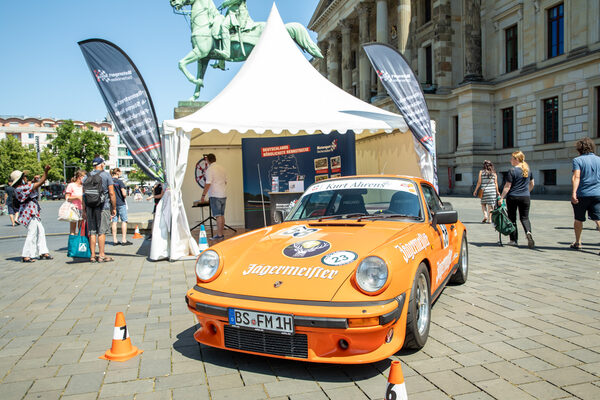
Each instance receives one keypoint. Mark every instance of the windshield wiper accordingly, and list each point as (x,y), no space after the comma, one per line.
(386,216)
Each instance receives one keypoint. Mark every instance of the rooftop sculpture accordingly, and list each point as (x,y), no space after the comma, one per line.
(230,37)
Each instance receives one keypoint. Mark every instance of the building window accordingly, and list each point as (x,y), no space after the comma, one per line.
(455,123)
(14,124)
(428,66)
(458,177)
(353,62)
(551,120)
(511,48)
(125,163)
(549,177)
(556,31)
(426,11)
(123,152)
(508,132)
(30,135)
(598,111)
(47,125)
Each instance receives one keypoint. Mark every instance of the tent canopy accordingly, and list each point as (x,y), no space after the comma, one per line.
(279,91)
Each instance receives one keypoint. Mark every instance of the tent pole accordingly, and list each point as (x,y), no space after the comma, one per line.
(262,196)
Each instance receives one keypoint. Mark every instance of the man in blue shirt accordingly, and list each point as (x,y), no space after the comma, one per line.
(585,196)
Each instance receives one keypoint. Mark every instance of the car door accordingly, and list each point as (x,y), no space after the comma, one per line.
(445,251)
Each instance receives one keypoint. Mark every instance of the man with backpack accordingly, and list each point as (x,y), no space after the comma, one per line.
(100,206)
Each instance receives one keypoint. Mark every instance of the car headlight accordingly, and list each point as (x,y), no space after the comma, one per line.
(371,274)
(207,265)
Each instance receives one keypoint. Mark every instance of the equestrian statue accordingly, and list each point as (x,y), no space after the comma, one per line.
(230,37)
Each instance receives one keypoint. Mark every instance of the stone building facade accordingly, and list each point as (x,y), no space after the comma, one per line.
(498,76)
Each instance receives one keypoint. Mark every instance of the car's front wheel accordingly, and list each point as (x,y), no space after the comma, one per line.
(460,276)
(419,310)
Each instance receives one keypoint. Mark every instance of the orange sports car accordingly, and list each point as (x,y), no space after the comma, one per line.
(348,277)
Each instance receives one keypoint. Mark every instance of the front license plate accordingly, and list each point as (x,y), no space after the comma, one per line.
(281,323)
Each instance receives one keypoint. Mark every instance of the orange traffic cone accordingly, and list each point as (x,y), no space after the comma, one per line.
(396,389)
(121,349)
(136,234)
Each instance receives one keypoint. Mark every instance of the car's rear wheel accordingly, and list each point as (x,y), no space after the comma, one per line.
(419,310)
(460,276)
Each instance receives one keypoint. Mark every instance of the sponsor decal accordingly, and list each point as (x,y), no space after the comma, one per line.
(329,148)
(338,258)
(445,237)
(308,248)
(442,267)
(299,231)
(414,246)
(374,183)
(288,270)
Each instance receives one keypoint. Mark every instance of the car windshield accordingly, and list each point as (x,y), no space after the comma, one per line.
(362,198)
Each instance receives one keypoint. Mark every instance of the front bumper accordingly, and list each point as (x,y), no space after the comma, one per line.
(322,333)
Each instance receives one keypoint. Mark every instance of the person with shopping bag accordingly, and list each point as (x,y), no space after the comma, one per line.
(74,198)
(27,195)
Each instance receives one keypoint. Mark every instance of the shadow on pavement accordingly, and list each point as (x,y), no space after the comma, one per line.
(187,346)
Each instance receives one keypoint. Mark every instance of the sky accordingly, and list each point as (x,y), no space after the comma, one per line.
(44,74)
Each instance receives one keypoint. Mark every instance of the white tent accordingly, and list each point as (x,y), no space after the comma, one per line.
(276,91)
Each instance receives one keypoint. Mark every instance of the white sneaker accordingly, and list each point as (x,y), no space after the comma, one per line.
(513,243)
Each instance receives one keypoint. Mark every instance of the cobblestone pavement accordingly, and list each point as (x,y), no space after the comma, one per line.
(526,325)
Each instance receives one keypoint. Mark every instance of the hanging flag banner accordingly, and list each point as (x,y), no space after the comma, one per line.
(403,87)
(128,102)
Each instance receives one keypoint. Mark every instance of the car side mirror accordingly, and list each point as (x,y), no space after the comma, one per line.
(445,217)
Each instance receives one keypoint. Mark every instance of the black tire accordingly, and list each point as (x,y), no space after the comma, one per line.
(419,310)
(462,272)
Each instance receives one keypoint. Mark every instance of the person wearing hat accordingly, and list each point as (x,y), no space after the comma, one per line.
(27,194)
(98,218)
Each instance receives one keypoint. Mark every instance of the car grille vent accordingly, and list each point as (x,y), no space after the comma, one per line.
(266,343)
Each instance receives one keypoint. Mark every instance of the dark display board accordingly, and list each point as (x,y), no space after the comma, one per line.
(307,158)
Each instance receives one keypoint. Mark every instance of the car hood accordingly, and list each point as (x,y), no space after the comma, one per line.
(299,261)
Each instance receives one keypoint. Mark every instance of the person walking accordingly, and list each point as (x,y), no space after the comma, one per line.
(120,195)
(215,187)
(585,195)
(11,202)
(100,205)
(27,195)
(488,181)
(74,195)
(517,189)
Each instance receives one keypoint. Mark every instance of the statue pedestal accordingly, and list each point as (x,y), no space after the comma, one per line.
(185,108)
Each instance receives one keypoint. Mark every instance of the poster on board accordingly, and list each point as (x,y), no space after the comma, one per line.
(307,158)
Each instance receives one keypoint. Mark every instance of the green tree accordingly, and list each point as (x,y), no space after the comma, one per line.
(48,157)
(14,156)
(78,147)
(138,175)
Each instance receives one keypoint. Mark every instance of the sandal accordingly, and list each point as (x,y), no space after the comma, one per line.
(93,260)
(27,259)
(46,257)
(105,259)
(575,246)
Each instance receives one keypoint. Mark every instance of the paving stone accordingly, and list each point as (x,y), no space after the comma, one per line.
(84,383)
(476,373)
(225,381)
(15,390)
(501,389)
(474,396)
(566,376)
(434,365)
(49,384)
(351,392)
(289,386)
(254,392)
(309,396)
(543,390)
(126,388)
(511,372)
(199,392)
(451,383)
(47,395)
(162,395)
(586,391)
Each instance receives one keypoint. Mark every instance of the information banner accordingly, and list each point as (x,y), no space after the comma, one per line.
(403,87)
(307,159)
(128,103)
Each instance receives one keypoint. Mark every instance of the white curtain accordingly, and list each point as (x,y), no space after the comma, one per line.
(171,237)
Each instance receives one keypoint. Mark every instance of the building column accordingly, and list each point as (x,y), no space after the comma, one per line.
(346,28)
(323,62)
(473,68)
(442,48)
(382,36)
(403,27)
(333,59)
(364,66)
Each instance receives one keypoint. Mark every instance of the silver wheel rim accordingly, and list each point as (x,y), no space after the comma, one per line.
(464,256)
(422,298)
